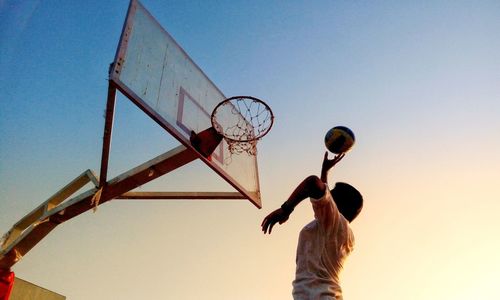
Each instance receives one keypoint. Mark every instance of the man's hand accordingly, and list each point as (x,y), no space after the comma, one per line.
(328,164)
(277,216)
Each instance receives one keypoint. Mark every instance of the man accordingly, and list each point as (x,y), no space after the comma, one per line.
(324,243)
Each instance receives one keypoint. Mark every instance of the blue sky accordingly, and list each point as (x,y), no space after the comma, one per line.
(417,82)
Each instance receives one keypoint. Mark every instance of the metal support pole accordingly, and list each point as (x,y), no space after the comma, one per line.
(108,128)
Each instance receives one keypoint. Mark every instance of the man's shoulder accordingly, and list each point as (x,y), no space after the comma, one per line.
(311,225)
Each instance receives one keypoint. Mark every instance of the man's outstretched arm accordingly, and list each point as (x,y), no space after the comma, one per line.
(312,186)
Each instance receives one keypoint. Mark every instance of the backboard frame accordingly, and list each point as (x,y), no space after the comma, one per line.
(59,208)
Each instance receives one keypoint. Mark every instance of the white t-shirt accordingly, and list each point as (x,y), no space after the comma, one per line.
(322,248)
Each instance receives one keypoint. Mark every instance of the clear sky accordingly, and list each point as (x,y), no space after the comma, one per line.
(417,81)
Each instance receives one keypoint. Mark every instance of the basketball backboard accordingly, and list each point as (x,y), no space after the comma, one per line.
(156,74)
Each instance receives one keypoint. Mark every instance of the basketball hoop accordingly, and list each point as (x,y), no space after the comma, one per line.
(242,121)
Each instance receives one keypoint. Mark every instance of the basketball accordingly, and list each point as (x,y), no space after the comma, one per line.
(339,139)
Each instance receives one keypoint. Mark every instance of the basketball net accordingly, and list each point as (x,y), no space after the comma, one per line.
(242,121)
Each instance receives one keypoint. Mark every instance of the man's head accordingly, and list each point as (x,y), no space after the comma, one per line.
(349,200)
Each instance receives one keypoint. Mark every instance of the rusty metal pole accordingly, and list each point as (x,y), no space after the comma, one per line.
(108,128)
